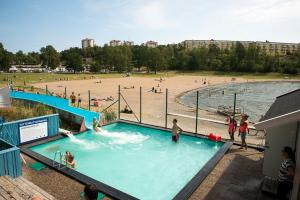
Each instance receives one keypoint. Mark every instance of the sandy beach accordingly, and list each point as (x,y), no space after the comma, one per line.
(153,106)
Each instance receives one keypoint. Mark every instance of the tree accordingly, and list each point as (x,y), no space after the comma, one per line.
(73,62)
(49,57)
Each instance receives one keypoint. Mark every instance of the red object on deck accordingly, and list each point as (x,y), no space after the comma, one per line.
(213,137)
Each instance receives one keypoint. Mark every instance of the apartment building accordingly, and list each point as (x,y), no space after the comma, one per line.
(115,43)
(151,44)
(270,48)
(85,43)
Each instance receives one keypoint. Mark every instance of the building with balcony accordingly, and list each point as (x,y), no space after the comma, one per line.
(270,48)
(115,43)
(151,44)
(85,43)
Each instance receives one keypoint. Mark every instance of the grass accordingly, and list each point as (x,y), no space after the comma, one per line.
(22,110)
(30,78)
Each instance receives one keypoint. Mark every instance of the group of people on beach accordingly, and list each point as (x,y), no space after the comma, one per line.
(73,100)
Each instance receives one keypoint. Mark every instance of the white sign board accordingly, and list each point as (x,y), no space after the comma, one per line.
(32,130)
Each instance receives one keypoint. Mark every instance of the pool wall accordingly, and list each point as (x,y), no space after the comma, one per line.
(185,192)
(10,130)
(10,161)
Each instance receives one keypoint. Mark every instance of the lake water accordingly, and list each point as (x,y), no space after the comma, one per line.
(253,98)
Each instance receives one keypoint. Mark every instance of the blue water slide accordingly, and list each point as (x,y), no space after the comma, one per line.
(59,103)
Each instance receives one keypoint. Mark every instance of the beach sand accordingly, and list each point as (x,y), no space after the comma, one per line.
(153,106)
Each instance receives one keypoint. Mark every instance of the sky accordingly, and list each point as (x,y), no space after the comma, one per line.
(28,25)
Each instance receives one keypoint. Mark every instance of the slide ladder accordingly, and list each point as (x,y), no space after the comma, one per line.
(60,163)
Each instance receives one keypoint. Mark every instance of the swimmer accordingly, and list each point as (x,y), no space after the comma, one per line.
(176,130)
(69,159)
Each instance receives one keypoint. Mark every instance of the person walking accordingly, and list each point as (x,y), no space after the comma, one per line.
(232,125)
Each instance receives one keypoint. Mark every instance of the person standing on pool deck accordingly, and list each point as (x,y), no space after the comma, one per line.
(73,99)
(176,130)
(232,124)
(243,130)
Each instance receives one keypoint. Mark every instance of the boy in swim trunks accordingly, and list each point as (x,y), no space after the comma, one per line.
(73,99)
(176,130)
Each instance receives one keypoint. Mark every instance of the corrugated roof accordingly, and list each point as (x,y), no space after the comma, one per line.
(284,104)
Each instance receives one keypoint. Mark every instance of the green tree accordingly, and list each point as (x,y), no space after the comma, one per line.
(49,57)
(73,62)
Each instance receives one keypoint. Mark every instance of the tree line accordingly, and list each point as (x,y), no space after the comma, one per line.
(164,57)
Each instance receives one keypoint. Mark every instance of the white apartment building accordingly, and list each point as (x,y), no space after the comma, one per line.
(270,48)
(115,43)
(85,43)
(151,44)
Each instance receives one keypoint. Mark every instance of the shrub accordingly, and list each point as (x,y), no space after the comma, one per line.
(109,115)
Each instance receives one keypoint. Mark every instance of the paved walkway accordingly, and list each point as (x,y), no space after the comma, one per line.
(237,176)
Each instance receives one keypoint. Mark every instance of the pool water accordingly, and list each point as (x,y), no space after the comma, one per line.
(252,98)
(139,161)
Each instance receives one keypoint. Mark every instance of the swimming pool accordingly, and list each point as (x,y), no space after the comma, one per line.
(140,161)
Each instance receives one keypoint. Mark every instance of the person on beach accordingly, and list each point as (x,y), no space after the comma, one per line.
(73,99)
(79,101)
(286,173)
(232,124)
(176,130)
(95,125)
(243,130)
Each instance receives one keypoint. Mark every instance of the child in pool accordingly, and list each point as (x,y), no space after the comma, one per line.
(95,125)
(176,130)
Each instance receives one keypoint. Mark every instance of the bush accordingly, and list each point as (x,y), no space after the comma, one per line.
(21,110)
(109,115)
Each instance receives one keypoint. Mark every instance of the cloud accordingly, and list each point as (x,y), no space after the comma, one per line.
(153,15)
(256,11)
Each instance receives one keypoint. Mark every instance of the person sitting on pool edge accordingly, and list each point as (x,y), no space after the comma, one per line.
(176,130)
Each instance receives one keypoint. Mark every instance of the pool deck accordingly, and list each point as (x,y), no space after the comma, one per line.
(238,175)
(21,189)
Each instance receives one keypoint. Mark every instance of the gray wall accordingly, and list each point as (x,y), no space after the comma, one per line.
(276,139)
(296,189)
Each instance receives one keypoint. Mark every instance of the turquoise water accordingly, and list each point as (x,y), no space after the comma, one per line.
(60,103)
(139,161)
(253,98)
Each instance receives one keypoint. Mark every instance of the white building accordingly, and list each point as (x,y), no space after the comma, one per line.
(85,43)
(115,43)
(128,43)
(282,126)
(151,44)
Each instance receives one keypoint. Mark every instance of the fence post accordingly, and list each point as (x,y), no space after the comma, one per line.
(140,104)
(65,92)
(197,102)
(46,89)
(89,100)
(234,104)
(166,116)
(119,101)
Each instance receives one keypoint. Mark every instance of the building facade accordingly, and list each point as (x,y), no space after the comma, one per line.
(115,43)
(151,44)
(270,48)
(85,43)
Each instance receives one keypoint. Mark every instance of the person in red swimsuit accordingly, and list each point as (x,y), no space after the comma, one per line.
(243,130)
(232,124)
